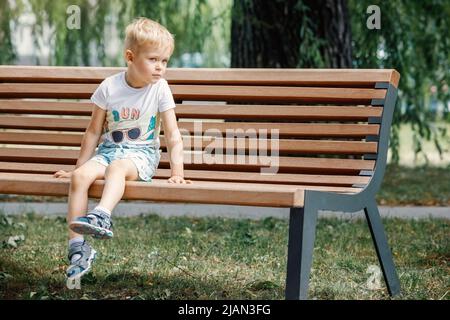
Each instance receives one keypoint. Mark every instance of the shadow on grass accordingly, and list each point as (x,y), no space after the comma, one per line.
(26,283)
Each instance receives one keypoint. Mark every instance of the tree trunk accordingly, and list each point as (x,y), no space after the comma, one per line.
(264,34)
(267,34)
(333,25)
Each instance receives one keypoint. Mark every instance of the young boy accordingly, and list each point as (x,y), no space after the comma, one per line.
(131,105)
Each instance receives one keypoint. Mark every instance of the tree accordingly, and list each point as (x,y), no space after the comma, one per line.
(331,24)
(291,33)
(413,39)
(264,33)
(189,20)
(324,33)
(6,46)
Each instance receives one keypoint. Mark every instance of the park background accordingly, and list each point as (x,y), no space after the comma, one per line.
(412,37)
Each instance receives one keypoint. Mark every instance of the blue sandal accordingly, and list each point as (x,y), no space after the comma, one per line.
(96,223)
(83,264)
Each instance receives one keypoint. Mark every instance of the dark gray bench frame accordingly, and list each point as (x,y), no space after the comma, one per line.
(303,221)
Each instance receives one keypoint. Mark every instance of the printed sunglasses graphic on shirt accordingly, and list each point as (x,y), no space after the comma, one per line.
(132,134)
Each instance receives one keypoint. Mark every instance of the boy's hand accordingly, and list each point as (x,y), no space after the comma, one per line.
(62,174)
(178,179)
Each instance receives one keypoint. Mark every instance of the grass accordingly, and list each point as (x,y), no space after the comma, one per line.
(215,258)
(419,186)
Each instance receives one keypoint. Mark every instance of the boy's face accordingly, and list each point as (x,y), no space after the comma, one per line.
(149,64)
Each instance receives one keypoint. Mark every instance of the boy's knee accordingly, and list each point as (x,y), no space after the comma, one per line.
(80,177)
(116,166)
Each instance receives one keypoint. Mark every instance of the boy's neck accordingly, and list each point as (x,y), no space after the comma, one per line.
(132,81)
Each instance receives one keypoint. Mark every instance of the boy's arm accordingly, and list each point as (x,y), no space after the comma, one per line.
(174,146)
(90,140)
(91,136)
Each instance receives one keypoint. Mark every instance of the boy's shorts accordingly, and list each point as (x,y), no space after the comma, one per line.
(145,158)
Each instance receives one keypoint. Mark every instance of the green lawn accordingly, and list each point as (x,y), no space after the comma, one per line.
(213,258)
(420,186)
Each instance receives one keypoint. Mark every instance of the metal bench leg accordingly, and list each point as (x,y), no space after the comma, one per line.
(382,248)
(302,232)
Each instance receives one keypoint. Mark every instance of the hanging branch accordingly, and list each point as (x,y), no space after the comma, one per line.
(413,39)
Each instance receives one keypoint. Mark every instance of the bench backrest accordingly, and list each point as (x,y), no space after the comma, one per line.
(325,123)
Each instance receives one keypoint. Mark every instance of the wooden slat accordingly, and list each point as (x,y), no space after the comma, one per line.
(43,123)
(284,146)
(352,77)
(56,74)
(41,168)
(46,107)
(276,94)
(286,130)
(39,155)
(50,139)
(204,175)
(47,90)
(160,190)
(279,178)
(209,111)
(249,163)
(205,92)
(249,76)
(277,112)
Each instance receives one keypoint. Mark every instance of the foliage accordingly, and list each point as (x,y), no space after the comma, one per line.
(310,46)
(413,39)
(103,25)
(8,15)
(194,25)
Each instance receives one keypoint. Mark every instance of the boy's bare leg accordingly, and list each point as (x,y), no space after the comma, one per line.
(81,180)
(115,176)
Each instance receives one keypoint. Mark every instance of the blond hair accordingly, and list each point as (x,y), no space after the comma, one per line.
(143,31)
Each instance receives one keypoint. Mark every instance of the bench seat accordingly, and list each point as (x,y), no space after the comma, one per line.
(250,194)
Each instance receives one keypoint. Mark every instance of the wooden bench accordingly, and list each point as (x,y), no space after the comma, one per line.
(329,127)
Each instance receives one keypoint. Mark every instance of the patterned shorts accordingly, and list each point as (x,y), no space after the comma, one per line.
(145,158)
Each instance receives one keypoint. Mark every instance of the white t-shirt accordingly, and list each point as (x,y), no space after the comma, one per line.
(132,115)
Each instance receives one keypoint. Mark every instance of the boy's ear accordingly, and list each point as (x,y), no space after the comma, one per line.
(129,56)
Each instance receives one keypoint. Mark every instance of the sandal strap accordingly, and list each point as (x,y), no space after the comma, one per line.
(78,248)
(101,217)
